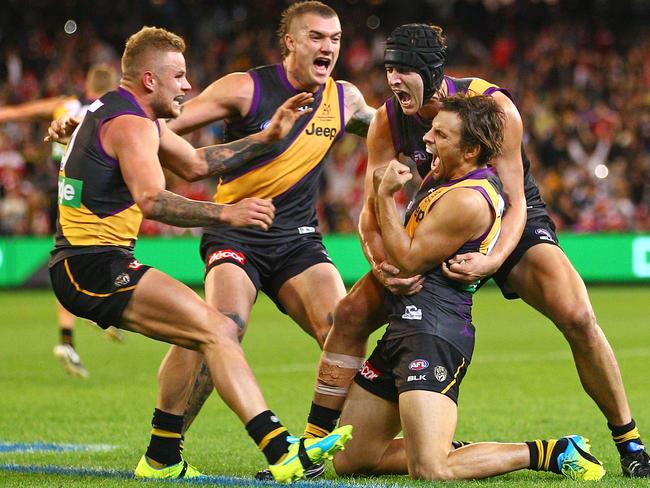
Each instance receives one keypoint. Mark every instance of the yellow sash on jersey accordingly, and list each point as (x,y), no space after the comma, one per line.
(496,201)
(479,86)
(81,227)
(304,154)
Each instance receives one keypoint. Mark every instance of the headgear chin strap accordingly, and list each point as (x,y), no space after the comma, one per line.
(417,47)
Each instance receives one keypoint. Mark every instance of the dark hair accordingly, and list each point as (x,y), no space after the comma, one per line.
(421,48)
(482,123)
(299,9)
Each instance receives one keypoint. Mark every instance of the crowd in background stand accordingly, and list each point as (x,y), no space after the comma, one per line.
(581,85)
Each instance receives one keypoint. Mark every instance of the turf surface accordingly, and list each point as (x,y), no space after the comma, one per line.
(522,385)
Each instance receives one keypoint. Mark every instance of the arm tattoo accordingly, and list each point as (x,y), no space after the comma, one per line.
(170,208)
(223,158)
(200,393)
(360,122)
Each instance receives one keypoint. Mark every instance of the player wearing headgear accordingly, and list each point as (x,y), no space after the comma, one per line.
(412,379)
(527,261)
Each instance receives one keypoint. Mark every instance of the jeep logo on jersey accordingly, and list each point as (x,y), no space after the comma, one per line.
(226,254)
(440,373)
(418,365)
(328,132)
(70,192)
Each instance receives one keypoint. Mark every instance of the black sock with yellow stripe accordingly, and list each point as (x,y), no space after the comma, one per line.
(321,421)
(66,337)
(269,435)
(626,437)
(544,454)
(166,438)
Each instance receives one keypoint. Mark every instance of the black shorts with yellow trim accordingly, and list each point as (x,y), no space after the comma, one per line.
(414,362)
(97,286)
(538,230)
(267,266)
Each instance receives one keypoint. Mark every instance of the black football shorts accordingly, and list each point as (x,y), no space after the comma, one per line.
(97,286)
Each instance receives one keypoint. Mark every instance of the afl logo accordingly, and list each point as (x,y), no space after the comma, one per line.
(418,365)
(265,124)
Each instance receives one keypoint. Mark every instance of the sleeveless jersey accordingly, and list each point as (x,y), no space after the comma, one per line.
(290,173)
(444,307)
(96,209)
(407,132)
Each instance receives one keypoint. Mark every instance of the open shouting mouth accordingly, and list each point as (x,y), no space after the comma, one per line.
(322,64)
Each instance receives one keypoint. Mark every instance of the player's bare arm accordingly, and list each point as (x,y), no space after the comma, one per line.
(34,109)
(133,141)
(458,216)
(468,268)
(360,113)
(192,164)
(229,97)
(380,152)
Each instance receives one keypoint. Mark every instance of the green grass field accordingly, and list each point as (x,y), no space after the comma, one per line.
(522,385)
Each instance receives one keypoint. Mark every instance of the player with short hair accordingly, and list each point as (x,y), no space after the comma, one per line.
(288,261)
(110,178)
(526,262)
(411,381)
(100,79)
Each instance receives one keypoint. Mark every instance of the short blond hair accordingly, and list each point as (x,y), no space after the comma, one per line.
(146,40)
(299,9)
(101,78)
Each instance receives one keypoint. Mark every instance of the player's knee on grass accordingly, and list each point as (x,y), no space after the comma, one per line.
(349,463)
(430,472)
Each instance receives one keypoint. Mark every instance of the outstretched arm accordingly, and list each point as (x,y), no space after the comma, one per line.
(229,97)
(192,164)
(133,141)
(43,109)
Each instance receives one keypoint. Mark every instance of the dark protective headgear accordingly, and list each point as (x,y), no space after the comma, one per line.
(417,47)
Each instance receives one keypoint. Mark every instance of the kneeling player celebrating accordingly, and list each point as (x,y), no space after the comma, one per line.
(411,381)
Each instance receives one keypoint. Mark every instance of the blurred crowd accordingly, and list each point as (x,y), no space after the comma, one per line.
(580,77)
